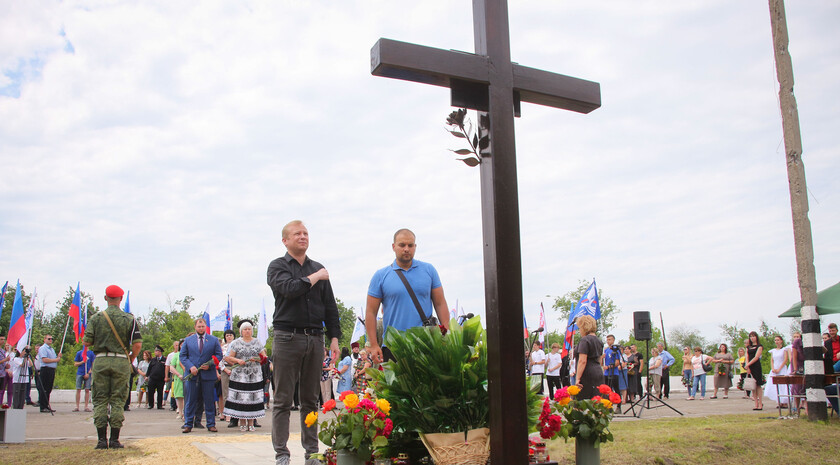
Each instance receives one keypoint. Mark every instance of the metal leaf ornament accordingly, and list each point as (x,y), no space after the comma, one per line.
(461,128)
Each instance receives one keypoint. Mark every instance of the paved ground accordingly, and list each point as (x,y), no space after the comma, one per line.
(143,423)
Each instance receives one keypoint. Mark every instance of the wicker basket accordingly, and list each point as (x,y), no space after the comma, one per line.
(470,448)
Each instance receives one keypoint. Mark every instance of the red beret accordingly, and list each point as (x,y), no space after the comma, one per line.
(113,291)
(354,345)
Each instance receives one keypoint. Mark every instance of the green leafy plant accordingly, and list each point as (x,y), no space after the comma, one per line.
(438,382)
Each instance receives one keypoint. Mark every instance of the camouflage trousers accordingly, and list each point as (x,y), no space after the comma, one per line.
(110,389)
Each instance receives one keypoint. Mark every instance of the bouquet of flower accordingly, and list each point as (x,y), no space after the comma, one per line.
(686,382)
(741,384)
(212,362)
(262,359)
(361,426)
(721,369)
(585,418)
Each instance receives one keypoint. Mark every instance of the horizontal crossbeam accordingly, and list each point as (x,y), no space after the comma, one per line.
(418,63)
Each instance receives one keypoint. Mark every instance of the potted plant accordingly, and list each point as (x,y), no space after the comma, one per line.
(357,429)
(586,420)
(437,387)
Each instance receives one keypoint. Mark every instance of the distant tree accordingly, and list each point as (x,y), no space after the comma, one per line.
(736,335)
(686,336)
(609,309)
(347,318)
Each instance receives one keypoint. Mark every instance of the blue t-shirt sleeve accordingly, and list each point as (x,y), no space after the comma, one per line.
(375,288)
(435,278)
(78,356)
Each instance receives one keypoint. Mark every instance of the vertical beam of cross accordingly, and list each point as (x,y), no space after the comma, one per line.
(493,85)
(502,252)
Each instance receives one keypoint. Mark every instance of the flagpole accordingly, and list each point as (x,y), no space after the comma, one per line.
(32,300)
(65,334)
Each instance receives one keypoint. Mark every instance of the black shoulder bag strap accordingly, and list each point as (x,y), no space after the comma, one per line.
(426,321)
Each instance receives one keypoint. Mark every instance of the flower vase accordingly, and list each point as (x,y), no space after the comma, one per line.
(586,453)
(347,457)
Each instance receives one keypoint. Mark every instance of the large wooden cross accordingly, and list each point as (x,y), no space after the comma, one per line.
(489,82)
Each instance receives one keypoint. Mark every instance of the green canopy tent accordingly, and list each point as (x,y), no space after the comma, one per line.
(828,301)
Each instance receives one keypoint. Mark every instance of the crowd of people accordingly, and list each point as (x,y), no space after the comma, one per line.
(205,377)
(592,362)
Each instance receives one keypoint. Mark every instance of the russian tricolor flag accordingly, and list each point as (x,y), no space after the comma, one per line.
(17,324)
(75,312)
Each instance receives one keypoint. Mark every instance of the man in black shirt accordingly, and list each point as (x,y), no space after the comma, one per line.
(154,378)
(303,305)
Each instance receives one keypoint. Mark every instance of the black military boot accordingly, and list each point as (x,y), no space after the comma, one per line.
(114,443)
(102,433)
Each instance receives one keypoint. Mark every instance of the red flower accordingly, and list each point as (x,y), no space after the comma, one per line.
(546,433)
(389,426)
(216,362)
(442,330)
(596,399)
(263,359)
(555,422)
(615,398)
(344,394)
(329,405)
(604,389)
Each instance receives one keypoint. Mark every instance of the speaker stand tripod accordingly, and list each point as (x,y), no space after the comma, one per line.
(644,401)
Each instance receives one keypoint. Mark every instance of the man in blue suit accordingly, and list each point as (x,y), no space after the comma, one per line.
(196,351)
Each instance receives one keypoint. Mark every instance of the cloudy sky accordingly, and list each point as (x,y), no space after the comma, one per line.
(162,145)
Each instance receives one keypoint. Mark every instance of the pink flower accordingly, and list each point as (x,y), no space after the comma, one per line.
(561,394)
(367,404)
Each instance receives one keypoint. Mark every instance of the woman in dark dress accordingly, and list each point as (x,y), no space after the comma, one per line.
(753,365)
(588,355)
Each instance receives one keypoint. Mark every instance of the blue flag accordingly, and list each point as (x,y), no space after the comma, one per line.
(3,298)
(127,305)
(589,303)
(228,319)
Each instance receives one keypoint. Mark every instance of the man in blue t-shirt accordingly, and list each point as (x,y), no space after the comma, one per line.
(83,377)
(398,309)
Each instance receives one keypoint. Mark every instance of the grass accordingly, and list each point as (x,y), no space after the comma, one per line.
(723,439)
(61,452)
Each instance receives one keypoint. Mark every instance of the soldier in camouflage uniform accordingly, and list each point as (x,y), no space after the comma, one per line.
(111,367)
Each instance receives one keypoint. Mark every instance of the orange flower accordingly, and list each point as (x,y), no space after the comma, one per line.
(311,418)
(384,406)
(344,394)
(329,405)
(564,401)
(574,390)
(606,403)
(351,401)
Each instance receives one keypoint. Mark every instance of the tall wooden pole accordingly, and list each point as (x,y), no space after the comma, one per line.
(803,245)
